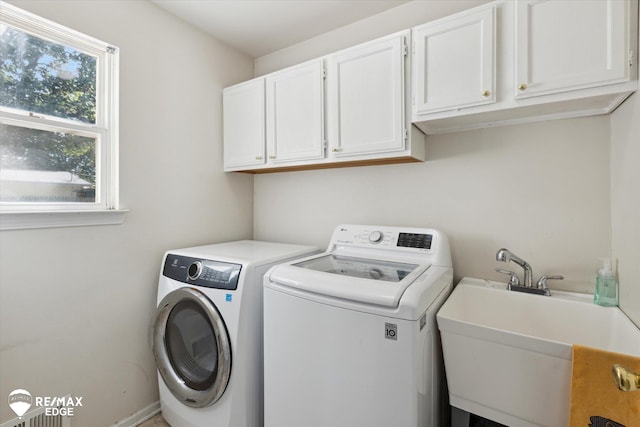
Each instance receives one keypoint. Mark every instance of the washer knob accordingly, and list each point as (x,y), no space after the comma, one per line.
(375,237)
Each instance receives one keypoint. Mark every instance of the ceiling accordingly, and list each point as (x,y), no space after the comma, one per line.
(259,27)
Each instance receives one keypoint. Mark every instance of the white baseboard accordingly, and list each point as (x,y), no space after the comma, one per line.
(141,416)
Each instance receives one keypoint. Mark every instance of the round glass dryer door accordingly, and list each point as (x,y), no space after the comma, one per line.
(191,347)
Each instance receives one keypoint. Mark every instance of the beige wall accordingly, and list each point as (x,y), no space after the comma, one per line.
(541,190)
(76,303)
(625,202)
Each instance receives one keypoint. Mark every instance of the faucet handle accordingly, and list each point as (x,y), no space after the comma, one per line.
(513,279)
(542,282)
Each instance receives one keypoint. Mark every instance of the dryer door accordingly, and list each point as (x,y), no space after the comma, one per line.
(191,347)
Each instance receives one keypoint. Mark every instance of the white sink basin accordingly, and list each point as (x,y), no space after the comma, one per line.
(508,354)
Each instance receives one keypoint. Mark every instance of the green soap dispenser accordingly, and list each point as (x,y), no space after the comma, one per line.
(606,293)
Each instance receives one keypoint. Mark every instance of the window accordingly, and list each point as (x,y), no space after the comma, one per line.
(58,121)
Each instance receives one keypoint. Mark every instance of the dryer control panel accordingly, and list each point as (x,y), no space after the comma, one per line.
(202,272)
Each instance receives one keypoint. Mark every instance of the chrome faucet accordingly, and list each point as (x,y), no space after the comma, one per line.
(505,255)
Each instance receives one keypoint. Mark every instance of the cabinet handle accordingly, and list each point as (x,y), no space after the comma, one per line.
(522,86)
(258,157)
(272,156)
(486,93)
(336,149)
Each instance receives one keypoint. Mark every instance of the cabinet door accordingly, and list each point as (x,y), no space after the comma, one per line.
(455,62)
(563,45)
(365,91)
(295,113)
(244,124)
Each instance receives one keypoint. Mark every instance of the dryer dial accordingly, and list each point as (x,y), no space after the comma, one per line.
(195,269)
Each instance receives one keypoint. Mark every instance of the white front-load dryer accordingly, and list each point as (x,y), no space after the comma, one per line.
(207,332)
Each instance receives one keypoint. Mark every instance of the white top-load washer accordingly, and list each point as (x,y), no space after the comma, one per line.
(207,331)
(350,337)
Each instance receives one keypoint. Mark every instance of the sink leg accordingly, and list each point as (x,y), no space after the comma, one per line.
(459,418)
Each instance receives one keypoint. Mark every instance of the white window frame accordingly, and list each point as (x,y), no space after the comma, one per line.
(106,209)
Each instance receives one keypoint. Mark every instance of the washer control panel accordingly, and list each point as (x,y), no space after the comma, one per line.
(202,272)
(415,240)
(384,237)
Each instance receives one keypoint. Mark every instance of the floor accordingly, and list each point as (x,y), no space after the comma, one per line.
(156,421)
(476,421)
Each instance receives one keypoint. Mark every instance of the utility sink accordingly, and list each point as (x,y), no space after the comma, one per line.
(508,354)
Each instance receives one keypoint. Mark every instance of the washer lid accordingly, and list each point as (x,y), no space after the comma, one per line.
(371,281)
(387,271)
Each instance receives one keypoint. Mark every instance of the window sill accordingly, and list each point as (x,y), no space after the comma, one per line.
(53,219)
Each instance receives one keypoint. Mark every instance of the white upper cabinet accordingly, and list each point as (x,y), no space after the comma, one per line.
(244,125)
(295,113)
(366,95)
(568,45)
(275,120)
(455,62)
(504,62)
(354,103)
(553,59)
